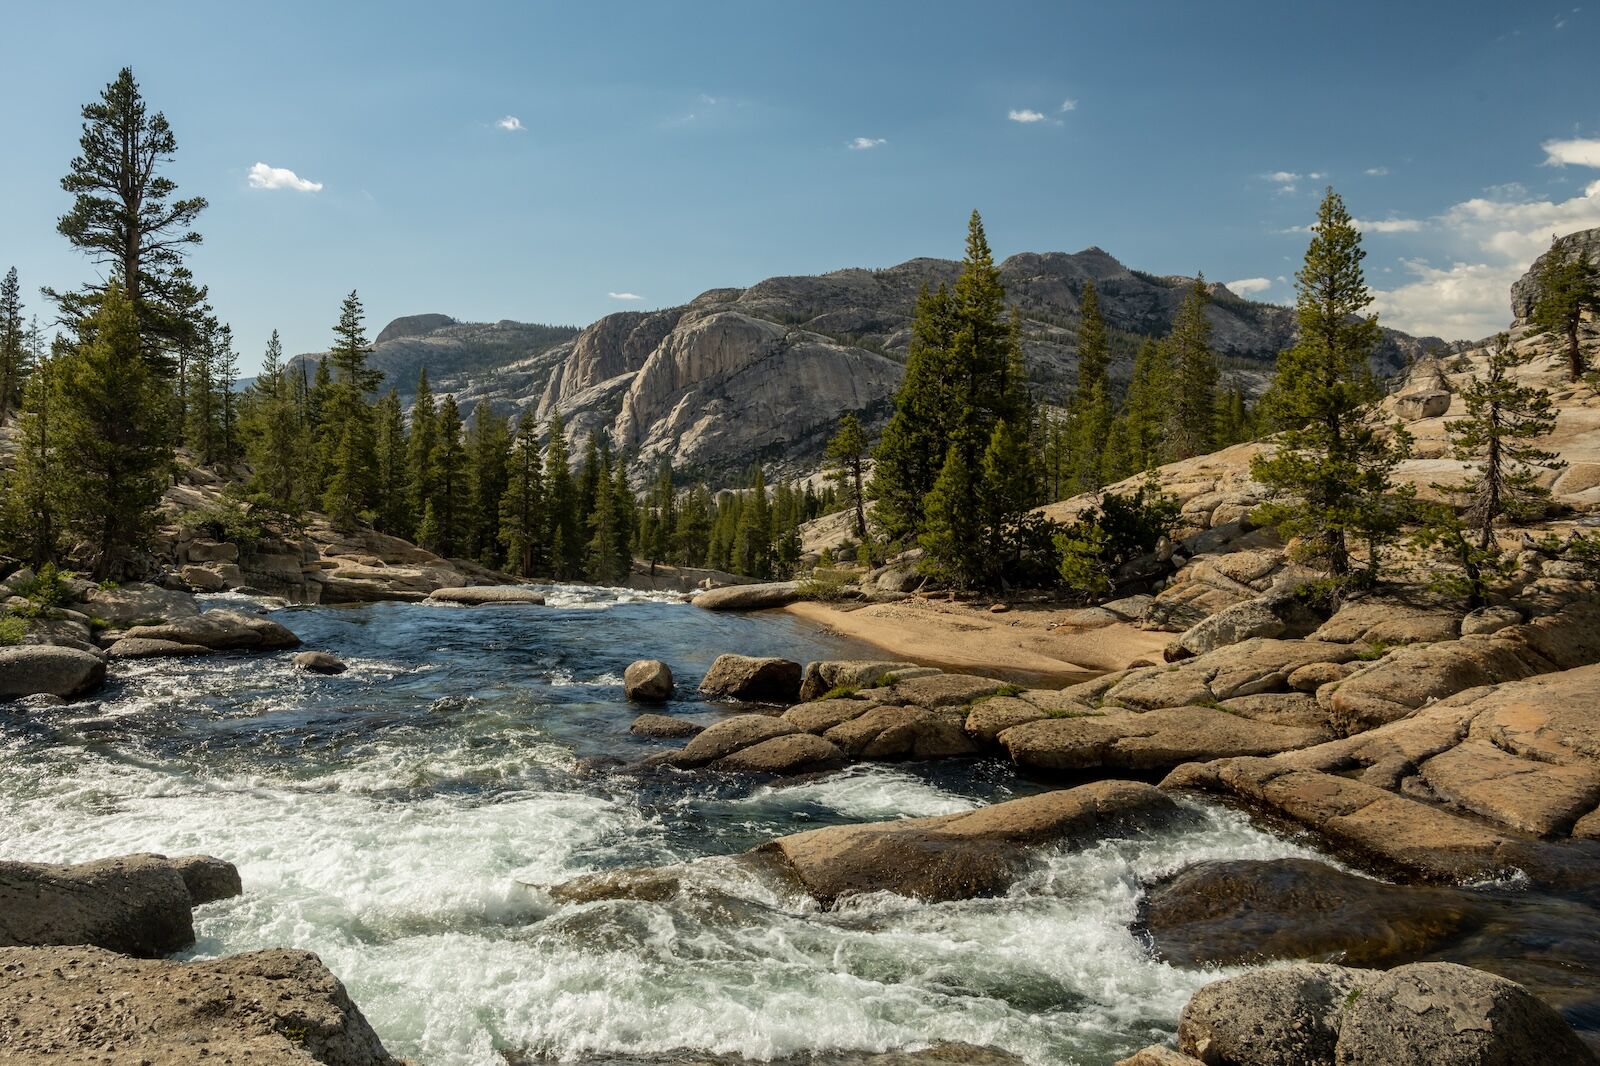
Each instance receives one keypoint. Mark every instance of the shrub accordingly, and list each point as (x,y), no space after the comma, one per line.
(47,589)
(824,586)
(229,518)
(12,629)
(1121,529)
(837,692)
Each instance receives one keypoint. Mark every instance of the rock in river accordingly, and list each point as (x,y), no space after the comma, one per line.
(43,668)
(134,904)
(752,680)
(267,1008)
(478,595)
(319,662)
(648,681)
(749,597)
(220,630)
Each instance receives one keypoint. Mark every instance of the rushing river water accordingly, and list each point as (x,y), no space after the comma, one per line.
(398,820)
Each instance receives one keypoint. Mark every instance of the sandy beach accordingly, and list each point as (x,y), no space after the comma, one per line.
(1026,644)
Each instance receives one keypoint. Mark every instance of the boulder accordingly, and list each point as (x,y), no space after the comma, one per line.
(211,551)
(1235,911)
(1486,620)
(137,602)
(1148,740)
(820,716)
(267,1008)
(1537,797)
(148,648)
(1313,676)
(1389,622)
(664,727)
(478,595)
(960,856)
(1423,1014)
(795,753)
(319,662)
(934,690)
(135,904)
(221,630)
(647,681)
(1156,1055)
(749,597)
(212,577)
(826,675)
(752,680)
(991,717)
(1415,406)
(728,736)
(1287,1016)
(1242,621)
(345,581)
(902,733)
(42,668)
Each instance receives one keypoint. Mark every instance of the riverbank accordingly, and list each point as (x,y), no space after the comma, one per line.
(1031,645)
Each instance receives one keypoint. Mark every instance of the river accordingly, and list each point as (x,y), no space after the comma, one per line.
(399,819)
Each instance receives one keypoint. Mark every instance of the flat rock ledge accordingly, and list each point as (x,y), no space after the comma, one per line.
(479,595)
(1425,1014)
(220,629)
(266,1008)
(139,905)
(760,597)
(959,856)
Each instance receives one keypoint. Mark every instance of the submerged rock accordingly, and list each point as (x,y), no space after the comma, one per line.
(221,630)
(135,904)
(43,668)
(663,726)
(960,856)
(319,662)
(795,753)
(478,595)
(271,1008)
(752,680)
(149,648)
(1245,911)
(648,681)
(728,736)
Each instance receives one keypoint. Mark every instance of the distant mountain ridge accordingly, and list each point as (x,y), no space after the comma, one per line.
(740,374)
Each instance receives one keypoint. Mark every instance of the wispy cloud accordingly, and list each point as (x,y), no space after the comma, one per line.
(262,176)
(1377,172)
(624,296)
(1388,225)
(1249,286)
(1069,105)
(1025,115)
(861,144)
(511,124)
(1579,151)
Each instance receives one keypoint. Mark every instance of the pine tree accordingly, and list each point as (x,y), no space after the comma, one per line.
(912,449)
(225,376)
(348,436)
(124,216)
(13,346)
(1192,406)
(1090,414)
(277,442)
(566,542)
(488,444)
(752,536)
(626,508)
(523,518)
(109,412)
(657,540)
(605,526)
(951,537)
(692,534)
(1567,288)
(1233,419)
(1332,456)
(845,459)
(1007,490)
(32,512)
(451,487)
(1144,410)
(393,505)
(1499,434)
(419,449)
(200,430)
(320,407)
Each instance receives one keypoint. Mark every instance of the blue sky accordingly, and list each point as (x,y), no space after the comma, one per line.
(547,163)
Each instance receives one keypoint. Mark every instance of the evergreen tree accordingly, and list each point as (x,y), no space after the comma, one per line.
(320,408)
(566,543)
(108,413)
(13,346)
(32,512)
(124,216)
(656,538)
(752,535)
(605,525)
(488,444)
(951,536)
(277,443)
(225,376)
(1234,422)
(1499,434)
(1090,414)
(1007,491)
(523,518)
(692,534)
(1567,288)
(1332,456)
(845,459)
(393,505)
(912,449)
(419,449)
(200,430)
(451,487)
(348,436)
(1192,406)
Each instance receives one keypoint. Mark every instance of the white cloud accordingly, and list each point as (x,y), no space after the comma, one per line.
(1069,105)
(511,124)
(861,144)
(624,296)
(1388,225)
(1026,114)
(1499,237)
(1249,286)
(1377,172)
(1282,177)
(262,176)
(1579,151)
